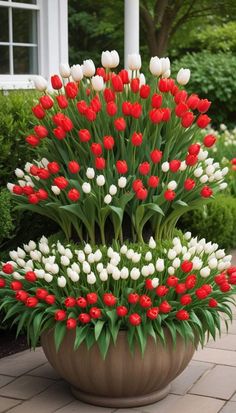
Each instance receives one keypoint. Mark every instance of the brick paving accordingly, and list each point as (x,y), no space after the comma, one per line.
(28,384)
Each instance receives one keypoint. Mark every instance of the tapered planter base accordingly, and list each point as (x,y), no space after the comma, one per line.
(121,402)
(122,379)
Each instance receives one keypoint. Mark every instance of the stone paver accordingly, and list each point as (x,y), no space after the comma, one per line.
(45,371)
(77,406)
(189,376)
(5,380)
(25,387)
(227,342)
(6,404)
(229,407)
(20,363)
(216,356)
(218,382)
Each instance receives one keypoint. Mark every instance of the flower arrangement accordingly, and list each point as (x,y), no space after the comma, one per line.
(115,155)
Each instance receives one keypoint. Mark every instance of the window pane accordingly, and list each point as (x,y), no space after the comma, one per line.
(4,31)
(4,60)
(25,60)
(24,26)
(26,1)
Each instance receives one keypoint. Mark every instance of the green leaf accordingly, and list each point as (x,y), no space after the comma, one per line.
(59,334)
(142,339)
(81,333)
(98,328)
(90,339)
(104,342)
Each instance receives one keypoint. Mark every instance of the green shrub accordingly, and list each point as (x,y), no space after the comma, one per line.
(6,219)
(216,222)
(15,122)
(214,77)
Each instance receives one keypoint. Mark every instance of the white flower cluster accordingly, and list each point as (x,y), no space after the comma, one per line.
(64,264)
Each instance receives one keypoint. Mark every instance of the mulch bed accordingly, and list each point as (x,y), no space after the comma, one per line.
(9,344)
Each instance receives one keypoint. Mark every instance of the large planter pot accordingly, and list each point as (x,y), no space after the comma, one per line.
(122,379)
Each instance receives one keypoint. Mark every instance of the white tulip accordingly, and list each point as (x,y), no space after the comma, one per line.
(116,274)
(86,267)
(81,256)
(61,281)
(35,255)
(91,279)
(68,253)
(100,180)
(29,264)
(86,187)
(65,260)
(202,155)
(225,171)
(19,173)
(99,267)
(55,190)
(220,254)
(44,248)
(145,271)
(88,249)
(209,161)
(205,272)
(22,183)
(197,263)
(122,182)
(103,275)
(27,167)
(39,273)
(160,266)
(176,263)
(88,68)
(130,254)
(40,83)
(210,170)
(90,258)
(17,276)
(10,187)
(212,263)
(151,268)
(64,70)
(106,59)
(172,185)
(115,58)
(186,256)
(155,282)
(171,254)
(48,278)
(166,74)
(20,262)
(76,73)
(187,235)
(204,179)
(152,243)
(134,61)
(223,186)
(60,248)
(148,256)
(183,166)
(75,267)
(112,190)
(124,249)
(134,274)
(183,76)
(98,255)
(142,80)
(110,268)
(218,175)
(198,172)
(165,166)
(124,273)
(21,253)
(74,277)
(90,173)
(177,248)
(165,64)
(136,257)
(171,270)
(97,83)
(155,66)
(107,199)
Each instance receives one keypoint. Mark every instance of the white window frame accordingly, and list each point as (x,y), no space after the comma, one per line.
(52,39)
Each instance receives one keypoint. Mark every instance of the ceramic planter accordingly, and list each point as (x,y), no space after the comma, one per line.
(121,380)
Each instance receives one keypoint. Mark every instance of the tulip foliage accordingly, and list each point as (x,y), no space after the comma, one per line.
(109,147)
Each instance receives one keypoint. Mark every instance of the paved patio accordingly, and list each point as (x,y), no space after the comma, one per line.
(208,385)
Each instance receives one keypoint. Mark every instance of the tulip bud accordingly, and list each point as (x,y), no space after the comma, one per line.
(97,83)
(61,281)
(55,190)
(160,265)
(165,64)
(183,76)
(40,83)
(100,180)
(106,59)
(88,68)
(86,187)
(64,70)
(134,61)
(142,80)
(76,72)
(108,199)
(115,58)
(155,66)
(122,181)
